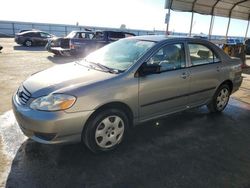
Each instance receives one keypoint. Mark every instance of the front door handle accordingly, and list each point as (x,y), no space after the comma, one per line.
(184,75)
(218,69)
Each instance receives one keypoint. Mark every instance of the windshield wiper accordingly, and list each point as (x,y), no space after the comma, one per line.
(108,69)
(105,68)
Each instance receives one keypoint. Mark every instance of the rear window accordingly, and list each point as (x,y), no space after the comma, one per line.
(116,35)
(31,35)
(129,35)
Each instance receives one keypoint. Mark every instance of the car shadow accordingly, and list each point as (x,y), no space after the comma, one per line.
(62,59)
(33,48)
(246,70)
(188,148)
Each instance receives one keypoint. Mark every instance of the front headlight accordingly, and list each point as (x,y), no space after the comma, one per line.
(53,102)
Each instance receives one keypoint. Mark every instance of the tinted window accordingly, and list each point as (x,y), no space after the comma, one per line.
(45,35)
(99,35)
(84,35)
(170,57)
(129,35)
(200,54)
(32,34)
(116,35)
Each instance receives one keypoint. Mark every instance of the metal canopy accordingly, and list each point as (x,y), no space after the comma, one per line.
(238,9)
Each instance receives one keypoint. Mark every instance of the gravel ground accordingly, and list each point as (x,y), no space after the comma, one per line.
(196,150)
(17,63)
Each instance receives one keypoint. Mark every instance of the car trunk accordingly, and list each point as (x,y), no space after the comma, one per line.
(60,42)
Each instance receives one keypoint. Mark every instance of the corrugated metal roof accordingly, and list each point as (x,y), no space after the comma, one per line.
(239,9)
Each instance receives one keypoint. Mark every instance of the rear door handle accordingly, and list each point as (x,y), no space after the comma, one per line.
(184,75)
(218,69)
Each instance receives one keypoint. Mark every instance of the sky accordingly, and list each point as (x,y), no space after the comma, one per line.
(135,14)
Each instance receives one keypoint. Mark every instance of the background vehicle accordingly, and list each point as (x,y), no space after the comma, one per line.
(1,47)
(83,42)
(125,83)
(247,46)
(24,30)
(33,38)
(233,41)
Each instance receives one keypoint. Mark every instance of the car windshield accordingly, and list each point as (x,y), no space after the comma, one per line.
(120,55)
(71,34)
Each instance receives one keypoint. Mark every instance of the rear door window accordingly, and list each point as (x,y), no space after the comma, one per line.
(201,54)
(45,35)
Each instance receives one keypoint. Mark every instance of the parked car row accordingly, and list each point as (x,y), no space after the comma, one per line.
(83,42)
(75,43)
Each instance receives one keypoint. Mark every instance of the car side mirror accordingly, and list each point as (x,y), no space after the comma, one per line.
(147,69)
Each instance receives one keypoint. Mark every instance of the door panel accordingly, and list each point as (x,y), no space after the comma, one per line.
(205,73)
(162,93)
(203,81)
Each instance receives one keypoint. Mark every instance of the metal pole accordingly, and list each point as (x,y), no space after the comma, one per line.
(211,27)
(13,28)
(66,31)
(168,21)
(228,25)
(247,29)
(191,25)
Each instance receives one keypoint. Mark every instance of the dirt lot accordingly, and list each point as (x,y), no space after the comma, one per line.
(17,63)
(196,150)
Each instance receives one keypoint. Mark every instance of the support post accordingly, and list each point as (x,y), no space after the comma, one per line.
(211,27)
(66,31)
(13,28)
(167,29)
(212,20)
(247,29)
(191,24)
(228,25)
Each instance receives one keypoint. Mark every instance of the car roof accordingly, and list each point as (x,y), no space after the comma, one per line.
(81,32)
(32,31)
(158,38)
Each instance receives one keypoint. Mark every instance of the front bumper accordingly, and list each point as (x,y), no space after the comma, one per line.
(50,127)
(59,50)
(237,83)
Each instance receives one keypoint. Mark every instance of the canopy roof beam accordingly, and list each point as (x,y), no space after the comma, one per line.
(212,20)
(230,15)
(192,18)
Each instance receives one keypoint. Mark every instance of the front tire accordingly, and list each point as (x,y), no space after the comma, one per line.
(105,130)
(220,99)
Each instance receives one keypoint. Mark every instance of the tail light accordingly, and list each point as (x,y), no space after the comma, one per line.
(71,45)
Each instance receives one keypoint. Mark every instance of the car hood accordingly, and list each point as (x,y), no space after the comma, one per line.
(63,78)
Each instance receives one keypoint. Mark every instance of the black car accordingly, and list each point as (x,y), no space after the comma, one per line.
(1,47)
(32,38)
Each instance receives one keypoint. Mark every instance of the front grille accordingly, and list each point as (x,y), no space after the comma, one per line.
(55,43)
(64,43)
(23,95)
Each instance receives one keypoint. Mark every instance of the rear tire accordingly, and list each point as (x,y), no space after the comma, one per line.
(220,99)
(105,130)
(28,43)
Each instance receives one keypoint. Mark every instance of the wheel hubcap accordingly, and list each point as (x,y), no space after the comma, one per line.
(28,43)
(222,98)
(109,132)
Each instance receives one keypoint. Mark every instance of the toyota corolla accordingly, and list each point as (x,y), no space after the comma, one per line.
(96,100)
